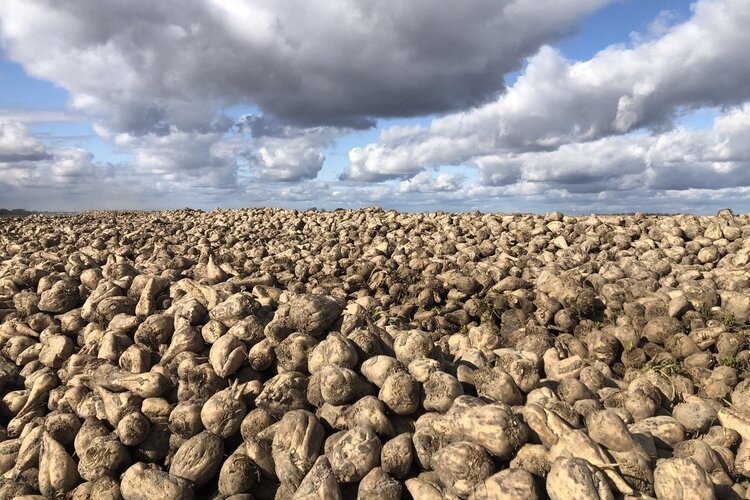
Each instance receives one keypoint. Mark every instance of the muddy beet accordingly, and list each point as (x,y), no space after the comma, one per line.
(278,354)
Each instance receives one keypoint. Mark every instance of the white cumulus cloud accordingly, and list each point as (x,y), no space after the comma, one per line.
(556,102)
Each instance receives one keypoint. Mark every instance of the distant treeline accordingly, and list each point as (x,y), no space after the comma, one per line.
(14,212)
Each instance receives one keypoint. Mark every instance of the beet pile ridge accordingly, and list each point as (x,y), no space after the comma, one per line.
(270,353)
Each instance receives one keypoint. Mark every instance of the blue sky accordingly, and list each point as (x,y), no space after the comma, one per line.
(496,106)
(616,22)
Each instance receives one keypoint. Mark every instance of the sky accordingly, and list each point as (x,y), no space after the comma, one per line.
(583,106)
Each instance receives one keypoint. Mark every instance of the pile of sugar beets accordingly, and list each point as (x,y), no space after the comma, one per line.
(371,354)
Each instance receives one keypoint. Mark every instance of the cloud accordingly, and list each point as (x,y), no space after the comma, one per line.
(276,151)
(159,80)
(25,159)
(668,173)
(425,182)
(26,116)
(676,160)
(17,144)
(539,197)
(265,126)
(289,163)
(150,65)
(73,163)
(701,62)
(152,70)
(28,166)
(35,175)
